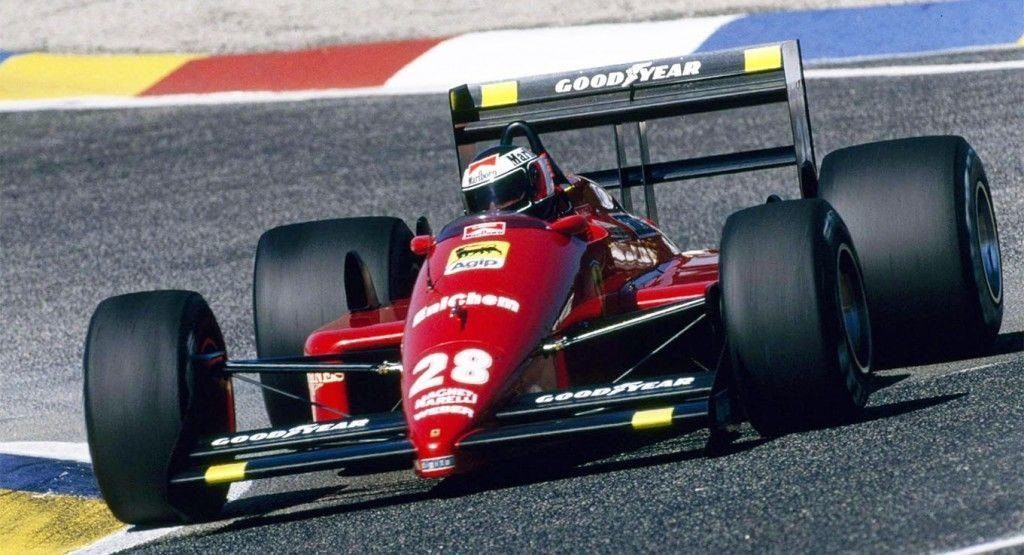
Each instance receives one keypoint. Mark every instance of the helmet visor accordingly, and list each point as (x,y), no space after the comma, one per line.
(508,192)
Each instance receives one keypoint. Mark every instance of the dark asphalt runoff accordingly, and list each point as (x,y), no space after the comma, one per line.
(96,203)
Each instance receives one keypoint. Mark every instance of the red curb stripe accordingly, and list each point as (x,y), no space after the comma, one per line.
(358,65)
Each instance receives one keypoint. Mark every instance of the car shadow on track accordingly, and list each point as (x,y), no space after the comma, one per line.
(273,508)
(567,462)
(898,408)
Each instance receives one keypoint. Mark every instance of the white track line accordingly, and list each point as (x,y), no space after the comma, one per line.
(198,99)
(65,451)
(907,70)
(971,369)
(989,547)
(260,97)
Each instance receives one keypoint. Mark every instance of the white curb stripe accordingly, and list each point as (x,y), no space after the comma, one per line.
(196,99)
(906,70)
(498,55)
(65,451)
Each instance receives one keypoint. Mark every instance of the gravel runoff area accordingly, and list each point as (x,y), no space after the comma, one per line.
(229,26)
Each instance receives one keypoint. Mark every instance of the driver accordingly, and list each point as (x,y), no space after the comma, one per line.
(512,178)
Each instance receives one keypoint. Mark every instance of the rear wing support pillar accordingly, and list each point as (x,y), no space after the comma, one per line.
(645,160)
(621,162)
(799,117)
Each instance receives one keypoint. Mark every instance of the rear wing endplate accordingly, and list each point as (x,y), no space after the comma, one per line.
(627,95)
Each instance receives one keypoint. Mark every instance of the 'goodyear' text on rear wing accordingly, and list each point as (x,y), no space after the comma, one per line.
(630,94)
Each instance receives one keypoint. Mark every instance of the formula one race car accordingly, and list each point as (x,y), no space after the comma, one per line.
(552,312)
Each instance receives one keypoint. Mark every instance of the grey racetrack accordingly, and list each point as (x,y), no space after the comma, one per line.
(96,203)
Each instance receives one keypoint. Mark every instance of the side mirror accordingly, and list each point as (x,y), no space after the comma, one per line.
(422,245)
(571,225)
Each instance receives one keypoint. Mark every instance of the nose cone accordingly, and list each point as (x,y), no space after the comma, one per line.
(496,287)
(447,392)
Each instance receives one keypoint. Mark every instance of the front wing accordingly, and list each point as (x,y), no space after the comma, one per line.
(377,442)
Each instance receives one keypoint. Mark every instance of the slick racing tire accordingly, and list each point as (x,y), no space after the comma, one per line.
(147,402)
(795,316)
(299,285)
(921,214)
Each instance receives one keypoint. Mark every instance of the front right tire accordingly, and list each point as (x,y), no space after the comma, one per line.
(795,315)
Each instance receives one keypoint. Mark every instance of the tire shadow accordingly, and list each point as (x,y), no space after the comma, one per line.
(264,510)
(900,408)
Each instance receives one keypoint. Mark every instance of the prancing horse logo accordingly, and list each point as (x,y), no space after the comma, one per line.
(463,252)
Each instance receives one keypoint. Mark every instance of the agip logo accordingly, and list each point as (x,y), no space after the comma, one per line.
(481,255)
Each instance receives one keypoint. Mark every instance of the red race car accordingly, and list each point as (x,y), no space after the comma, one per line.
(552,313)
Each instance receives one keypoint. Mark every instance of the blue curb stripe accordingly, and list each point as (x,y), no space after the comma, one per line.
(5,54)
(872,31)
(39,475)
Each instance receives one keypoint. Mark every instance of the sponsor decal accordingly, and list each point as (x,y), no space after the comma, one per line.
(492,167)
(470,367)
(465,299)
(487,229)
(637,73)
(632,255)
(481,255)
(304,429)
(446,396)
(611,391)
(483,163)
(437,463)
(444,409)
(317,380)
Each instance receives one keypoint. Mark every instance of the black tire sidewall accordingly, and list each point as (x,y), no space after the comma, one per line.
(792,363)
(304,266)
(911,208)
(988,308)
(146,404)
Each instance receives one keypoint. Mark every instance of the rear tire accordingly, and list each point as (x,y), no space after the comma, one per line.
(921,214)
(146,403)
(795,316)
(299,285)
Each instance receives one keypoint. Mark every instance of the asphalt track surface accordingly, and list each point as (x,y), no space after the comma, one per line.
(96,203)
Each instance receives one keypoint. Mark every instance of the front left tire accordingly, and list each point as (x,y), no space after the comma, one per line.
(299,285)
(147,402)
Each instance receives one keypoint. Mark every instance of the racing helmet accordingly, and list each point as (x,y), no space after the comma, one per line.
(510,177)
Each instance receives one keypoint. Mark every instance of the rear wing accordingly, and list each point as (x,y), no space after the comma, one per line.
(627,95)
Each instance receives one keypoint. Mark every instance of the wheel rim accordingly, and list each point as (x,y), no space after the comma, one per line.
(988,243)
(854,309)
